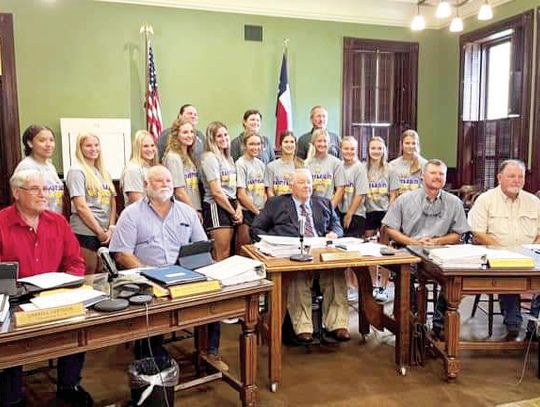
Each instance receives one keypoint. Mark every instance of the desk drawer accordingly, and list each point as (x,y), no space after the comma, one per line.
(495,284)
(127,330)
(223,309)
(40,345)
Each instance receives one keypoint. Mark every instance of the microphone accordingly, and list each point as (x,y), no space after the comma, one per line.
(301,225)
(108,262)
(301,231)
(112,304)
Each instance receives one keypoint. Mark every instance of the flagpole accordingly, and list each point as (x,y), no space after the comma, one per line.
(146,30)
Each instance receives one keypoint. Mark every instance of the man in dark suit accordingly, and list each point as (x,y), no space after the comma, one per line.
(280,217)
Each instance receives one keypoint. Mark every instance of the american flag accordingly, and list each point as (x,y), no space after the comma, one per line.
(154,123)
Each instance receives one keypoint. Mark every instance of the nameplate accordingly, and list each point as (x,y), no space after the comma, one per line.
(41,316)
(341,256)
(520,263)
(201,287)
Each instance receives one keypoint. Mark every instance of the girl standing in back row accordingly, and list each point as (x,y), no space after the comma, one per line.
(278,173)
(179,158)
(39,145)
(326,170)
(409,165)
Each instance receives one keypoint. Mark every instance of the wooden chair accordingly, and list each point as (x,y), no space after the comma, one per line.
(525,304)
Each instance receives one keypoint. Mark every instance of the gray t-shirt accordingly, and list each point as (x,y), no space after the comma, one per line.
(99,202)
(250,175)
(238,149)
(164,139)
(55,186)
(184,177)
(132,179)
(380,184)
(327,174)
(222,170)
(408,181)
(356,183)
(416,217)
(277,175)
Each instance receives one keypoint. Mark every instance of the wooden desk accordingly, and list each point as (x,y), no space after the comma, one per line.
(370,312)
(457,283)
(42,342)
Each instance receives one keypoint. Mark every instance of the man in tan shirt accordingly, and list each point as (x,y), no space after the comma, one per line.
(507,216)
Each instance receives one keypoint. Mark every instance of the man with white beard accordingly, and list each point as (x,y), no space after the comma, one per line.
(151,231)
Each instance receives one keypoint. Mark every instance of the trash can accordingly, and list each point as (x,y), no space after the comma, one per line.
(152,381)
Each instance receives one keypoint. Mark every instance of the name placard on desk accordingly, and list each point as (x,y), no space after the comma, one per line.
(341,256)
(41,316)
(201,287)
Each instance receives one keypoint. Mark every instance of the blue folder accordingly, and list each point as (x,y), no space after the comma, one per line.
(173,275)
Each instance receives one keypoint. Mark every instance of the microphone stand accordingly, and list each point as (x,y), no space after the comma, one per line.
(112,304)
(303,257)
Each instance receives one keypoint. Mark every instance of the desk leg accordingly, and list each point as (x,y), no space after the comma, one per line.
(402,316)
(274,357)
(368,309)
(421,299)
(248,352)
(451,327)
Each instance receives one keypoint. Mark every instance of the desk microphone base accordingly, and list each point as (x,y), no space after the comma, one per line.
(301,257)
(117,304)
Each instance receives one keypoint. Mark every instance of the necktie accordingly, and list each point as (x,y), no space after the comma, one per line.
(308,231)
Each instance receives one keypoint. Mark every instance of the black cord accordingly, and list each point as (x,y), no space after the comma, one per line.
(152,356)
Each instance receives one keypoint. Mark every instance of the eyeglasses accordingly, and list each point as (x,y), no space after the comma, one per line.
(36,190)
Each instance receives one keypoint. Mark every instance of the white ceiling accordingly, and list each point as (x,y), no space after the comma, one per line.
(379,12)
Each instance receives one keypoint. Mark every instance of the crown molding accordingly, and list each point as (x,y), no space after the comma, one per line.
(395,13)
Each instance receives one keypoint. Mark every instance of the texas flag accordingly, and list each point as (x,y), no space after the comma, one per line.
(283,105)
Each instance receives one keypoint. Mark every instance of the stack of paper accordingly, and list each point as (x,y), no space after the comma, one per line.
(460,256)
(234,270)
(471,256)
(4,307)
(52,280)
(357,245)
(86,295)
(286,246)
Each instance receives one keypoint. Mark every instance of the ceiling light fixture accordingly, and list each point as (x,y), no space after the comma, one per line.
(456,25)
(443,9)
(485,12)
(418,23)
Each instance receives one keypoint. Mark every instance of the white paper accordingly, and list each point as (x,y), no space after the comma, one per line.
(232,267)
(68,297)
(51,280)
(294,241)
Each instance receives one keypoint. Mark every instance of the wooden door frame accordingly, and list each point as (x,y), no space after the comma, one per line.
(10,133)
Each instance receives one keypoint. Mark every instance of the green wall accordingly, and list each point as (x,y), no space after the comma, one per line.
(80,58)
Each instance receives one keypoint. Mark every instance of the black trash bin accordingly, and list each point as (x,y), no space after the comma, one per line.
(162,373)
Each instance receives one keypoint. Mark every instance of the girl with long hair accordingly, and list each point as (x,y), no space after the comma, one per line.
(409,165)
(352,209)
(221,210)
(93,207)
(180,160)
(39,144)
(326,170)
(383,185)
(278,173)
(143,156)
(250,186)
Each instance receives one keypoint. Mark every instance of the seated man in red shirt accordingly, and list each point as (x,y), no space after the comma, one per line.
(40,241)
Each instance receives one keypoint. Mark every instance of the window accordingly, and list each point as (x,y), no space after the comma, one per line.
(379,90)
(495,68)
